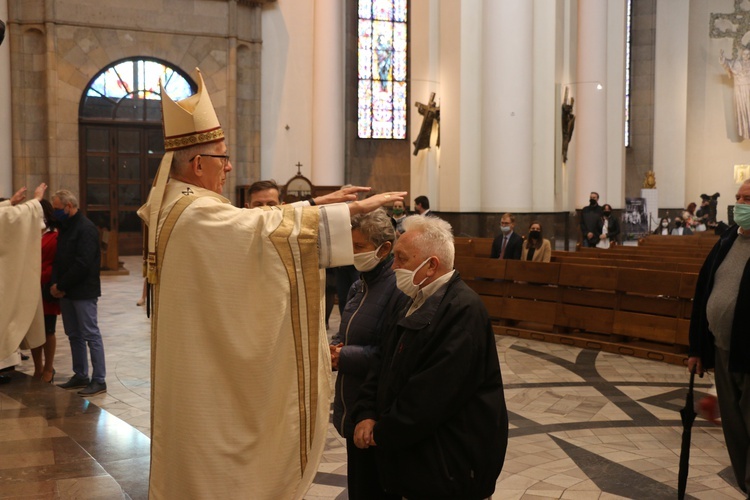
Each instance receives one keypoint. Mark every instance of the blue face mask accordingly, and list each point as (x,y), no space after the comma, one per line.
(742,216)
(60,214)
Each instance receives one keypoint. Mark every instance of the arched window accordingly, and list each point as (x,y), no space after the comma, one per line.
(381,66)
(129,90)
(122,144)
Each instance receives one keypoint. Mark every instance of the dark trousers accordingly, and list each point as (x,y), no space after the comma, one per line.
(362,474)
(733,393)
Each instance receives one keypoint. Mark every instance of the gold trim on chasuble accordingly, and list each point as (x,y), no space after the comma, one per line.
(161,248)
(307,376)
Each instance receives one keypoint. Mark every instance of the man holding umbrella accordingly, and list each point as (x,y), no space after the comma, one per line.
(718,332)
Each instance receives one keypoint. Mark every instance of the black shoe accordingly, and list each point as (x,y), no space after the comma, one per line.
(24,357)
(4,379)
(75,382)
(93,389)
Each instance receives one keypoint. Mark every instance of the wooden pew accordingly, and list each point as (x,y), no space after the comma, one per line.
(640,312)
(665,264)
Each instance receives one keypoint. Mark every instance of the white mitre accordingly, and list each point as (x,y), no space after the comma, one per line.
(186,123)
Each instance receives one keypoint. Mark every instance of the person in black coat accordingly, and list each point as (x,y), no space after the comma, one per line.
(433,406)
(613,225)
(508,245)
(718,333)
(590,218)
(75,281)
(371,299)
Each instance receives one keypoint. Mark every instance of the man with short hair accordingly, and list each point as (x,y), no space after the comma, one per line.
(75,281)
(590,217)
(422,205)
(718,332)
(21,315)
(264,194)
(508,245)
(240,359)
(433,406)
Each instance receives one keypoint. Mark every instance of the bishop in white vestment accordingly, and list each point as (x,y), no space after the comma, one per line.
(240,363)
(21,314)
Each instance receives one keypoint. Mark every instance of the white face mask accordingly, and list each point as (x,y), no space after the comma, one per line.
(405,280)
(366,261)
(664,224)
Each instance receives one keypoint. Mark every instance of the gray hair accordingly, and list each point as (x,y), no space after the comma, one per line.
(182,157)
(375,226)
(434,237)
(66,197)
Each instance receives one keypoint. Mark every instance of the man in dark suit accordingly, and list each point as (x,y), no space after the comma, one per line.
(509,244)
(590,217)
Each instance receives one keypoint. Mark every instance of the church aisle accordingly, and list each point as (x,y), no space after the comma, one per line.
(584,424)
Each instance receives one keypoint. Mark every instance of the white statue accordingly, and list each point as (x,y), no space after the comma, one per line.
(739,70)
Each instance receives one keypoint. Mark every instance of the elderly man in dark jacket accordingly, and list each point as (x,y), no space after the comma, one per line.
(718,332)
(75,278)
(433,407)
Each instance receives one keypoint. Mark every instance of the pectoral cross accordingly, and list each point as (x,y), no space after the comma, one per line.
(735,25)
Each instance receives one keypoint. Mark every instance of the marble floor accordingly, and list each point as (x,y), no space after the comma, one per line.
(584,424)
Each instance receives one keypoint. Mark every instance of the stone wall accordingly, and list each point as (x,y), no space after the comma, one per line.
(59,46)
(639,157)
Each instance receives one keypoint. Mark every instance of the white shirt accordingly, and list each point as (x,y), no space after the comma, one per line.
(425,293)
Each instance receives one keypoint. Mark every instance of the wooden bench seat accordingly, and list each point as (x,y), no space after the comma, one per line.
(641,312)
(658,265)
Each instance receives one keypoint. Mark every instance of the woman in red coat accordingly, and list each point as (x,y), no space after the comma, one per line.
(44,369)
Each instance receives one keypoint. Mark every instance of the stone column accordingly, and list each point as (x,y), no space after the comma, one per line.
(328,93)
(6,173)
(507,113)
(590,92)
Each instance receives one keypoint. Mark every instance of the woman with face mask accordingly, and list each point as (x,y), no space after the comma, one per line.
(370,300)
(44,355)
(608,228)
(536,248)
(397,219)
(663,227)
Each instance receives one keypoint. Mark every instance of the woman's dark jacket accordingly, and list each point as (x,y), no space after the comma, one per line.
(613,228)
(371,299)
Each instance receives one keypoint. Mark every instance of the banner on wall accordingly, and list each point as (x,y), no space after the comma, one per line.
(635,218)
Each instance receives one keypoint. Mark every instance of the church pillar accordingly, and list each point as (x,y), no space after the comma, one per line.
(6,173)
(328,94)
(590,92)
(507,114)
(671,103)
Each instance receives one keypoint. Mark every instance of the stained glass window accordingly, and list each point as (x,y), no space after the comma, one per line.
(130,90)
(381,66)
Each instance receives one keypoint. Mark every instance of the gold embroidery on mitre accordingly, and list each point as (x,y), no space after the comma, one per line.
(193,139)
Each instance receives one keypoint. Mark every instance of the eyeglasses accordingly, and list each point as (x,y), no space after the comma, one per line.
(223,157)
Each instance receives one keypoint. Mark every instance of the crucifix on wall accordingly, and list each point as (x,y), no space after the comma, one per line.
(431,115)
(736,25)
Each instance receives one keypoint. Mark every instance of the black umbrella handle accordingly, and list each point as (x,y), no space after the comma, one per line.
(692,379)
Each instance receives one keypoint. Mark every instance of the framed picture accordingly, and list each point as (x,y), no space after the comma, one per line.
(741,173)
